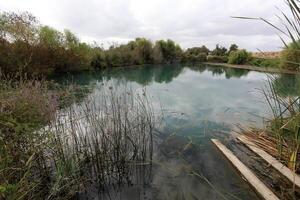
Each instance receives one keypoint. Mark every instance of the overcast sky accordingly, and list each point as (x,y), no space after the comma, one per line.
(188,22)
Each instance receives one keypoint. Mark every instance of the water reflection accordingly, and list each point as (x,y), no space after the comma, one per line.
(146,75)
(287,85)
(199,102)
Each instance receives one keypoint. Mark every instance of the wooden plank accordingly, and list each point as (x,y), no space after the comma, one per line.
(292,176)
(259,186)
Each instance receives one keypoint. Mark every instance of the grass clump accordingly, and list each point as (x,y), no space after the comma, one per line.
(290,57)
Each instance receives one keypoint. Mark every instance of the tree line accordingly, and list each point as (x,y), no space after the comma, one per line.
(26,46)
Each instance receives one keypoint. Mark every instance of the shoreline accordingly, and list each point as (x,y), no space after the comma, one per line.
(254,68)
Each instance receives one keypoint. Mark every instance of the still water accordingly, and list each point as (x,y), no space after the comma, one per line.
(198,103)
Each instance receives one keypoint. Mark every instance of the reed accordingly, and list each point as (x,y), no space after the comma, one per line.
(281,135)
(53,153)
(283,129)
(102,140)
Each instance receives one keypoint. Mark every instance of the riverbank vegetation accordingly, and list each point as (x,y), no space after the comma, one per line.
(46,153)
(281,135)
(28,47)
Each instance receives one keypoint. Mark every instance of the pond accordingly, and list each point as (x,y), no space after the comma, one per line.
(198,103)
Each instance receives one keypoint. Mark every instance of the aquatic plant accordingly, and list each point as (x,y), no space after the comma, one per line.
(100,142)
(88,145)
(280,137)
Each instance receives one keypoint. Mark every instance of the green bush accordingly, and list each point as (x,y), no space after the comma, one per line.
(238,57)
(217,59)
(25,106)
(265,62)
(201,57)
(291,57)
(194,58)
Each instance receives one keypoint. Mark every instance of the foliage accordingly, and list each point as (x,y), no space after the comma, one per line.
(265,62)
(26,47)
(194,58)
(171,52)
(232,48)
(197,50)
(289,28)
(195,54)
(217,59)
(219,51)
(238,57)
(25,106)
(60,160)
(290,57)
(284,125)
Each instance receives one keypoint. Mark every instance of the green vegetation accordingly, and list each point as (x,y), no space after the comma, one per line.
(291,57)
(27,47)
(219,51)
(238,57)
(46,156)
(281,137)
(217,59)
(265,62)
(196,54)
(25,107)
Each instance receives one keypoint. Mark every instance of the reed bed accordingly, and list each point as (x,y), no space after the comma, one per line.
(281,135)
(98,143)
(102,141)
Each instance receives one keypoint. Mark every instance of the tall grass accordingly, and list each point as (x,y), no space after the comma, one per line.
(25,105)
(285,123)
(97,143)
(101,141)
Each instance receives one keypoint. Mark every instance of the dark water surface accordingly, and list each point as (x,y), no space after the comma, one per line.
(198,103)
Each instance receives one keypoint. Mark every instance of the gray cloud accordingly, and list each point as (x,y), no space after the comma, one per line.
(188,22)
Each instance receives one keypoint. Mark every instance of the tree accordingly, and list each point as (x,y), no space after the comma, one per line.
(157,56)
(198,50)
(50,37)
(71,40)
(170,51)
(143,50)
(219,51)
(18,27)
(233,47)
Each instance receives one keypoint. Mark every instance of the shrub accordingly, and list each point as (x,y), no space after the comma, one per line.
(291,57)
(238,57)
(25,106)
(217,59)
(194,58)
(265,62)
(201,57)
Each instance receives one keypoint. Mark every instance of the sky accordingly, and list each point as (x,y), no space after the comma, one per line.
(188,22)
